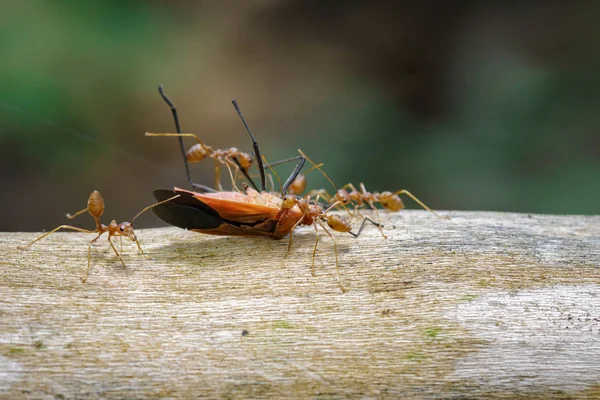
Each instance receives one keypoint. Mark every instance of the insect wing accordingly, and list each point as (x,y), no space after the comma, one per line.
(245,213)
(188,212)
(185,211)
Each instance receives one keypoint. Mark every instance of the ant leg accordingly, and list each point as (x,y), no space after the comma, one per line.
(324,194)
(371,204)
(257,155)
(89,267)
(271,182)
(73,228)
(245,173)
(379,225)
(180,135)
(337,264)
(315,250)
(290,242)
(419,202)
(362,226)
(71,216)
(116,252)
(218,175)
(181,145)
(233,179)
(140,247)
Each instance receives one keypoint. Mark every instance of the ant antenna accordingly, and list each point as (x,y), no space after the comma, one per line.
(178,128)
(153,205)
(318,166)
(257,155)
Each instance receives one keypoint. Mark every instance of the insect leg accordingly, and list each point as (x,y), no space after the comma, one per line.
(71,216)
(337,264)
(362,226)
(257,155)
(293,175)
(116,252)
(89,266)
(290,242)
(419,202)
(193,184)
(73,228)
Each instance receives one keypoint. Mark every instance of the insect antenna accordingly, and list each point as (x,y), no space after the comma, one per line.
(154,205)
(257,155)
(182,146)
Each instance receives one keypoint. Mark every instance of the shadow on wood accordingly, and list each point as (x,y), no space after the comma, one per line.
(484,305)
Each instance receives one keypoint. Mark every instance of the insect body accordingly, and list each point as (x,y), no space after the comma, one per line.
(246,214)
(95,207)
(231,157)
(251,213)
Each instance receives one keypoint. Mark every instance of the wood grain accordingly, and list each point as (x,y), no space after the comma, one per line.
(485,305)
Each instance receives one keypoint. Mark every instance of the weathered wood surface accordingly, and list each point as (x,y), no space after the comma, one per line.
(485,305)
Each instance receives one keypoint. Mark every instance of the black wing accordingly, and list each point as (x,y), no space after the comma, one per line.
(185,211)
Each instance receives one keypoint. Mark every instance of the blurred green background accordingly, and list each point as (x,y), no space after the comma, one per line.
(470,105)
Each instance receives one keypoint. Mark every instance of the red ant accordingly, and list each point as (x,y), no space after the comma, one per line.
(95,207)
(313,214)
(390,201)
(231,157)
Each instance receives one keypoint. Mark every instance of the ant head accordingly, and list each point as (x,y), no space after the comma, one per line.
(289,201)
(126,229)
(343,196)
(391,201)
(245,160)
(338,223)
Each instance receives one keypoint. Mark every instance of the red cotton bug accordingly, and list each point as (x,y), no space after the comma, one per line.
(251,213)
(95,208)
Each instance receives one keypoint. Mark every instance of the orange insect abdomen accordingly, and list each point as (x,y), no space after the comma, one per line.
(95,204)
(196,153)
(298,186)
(391,202)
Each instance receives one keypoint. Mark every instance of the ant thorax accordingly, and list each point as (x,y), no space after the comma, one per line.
(122,229)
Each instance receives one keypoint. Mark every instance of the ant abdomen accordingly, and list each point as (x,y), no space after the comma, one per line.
(95,204)
(298,185)
(197,153)
(391,201)
(338,223)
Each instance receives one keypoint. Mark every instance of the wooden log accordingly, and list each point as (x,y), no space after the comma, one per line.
(485,305)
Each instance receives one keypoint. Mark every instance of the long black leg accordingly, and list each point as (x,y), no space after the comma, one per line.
(293,176)
(257,155)
(362,226)
(245,173)
(276,163)
(178,127)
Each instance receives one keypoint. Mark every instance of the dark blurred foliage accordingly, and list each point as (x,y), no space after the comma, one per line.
(481,105)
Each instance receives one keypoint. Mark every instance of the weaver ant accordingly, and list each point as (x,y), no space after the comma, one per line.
(95,207)
(231,157)
(390,201)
